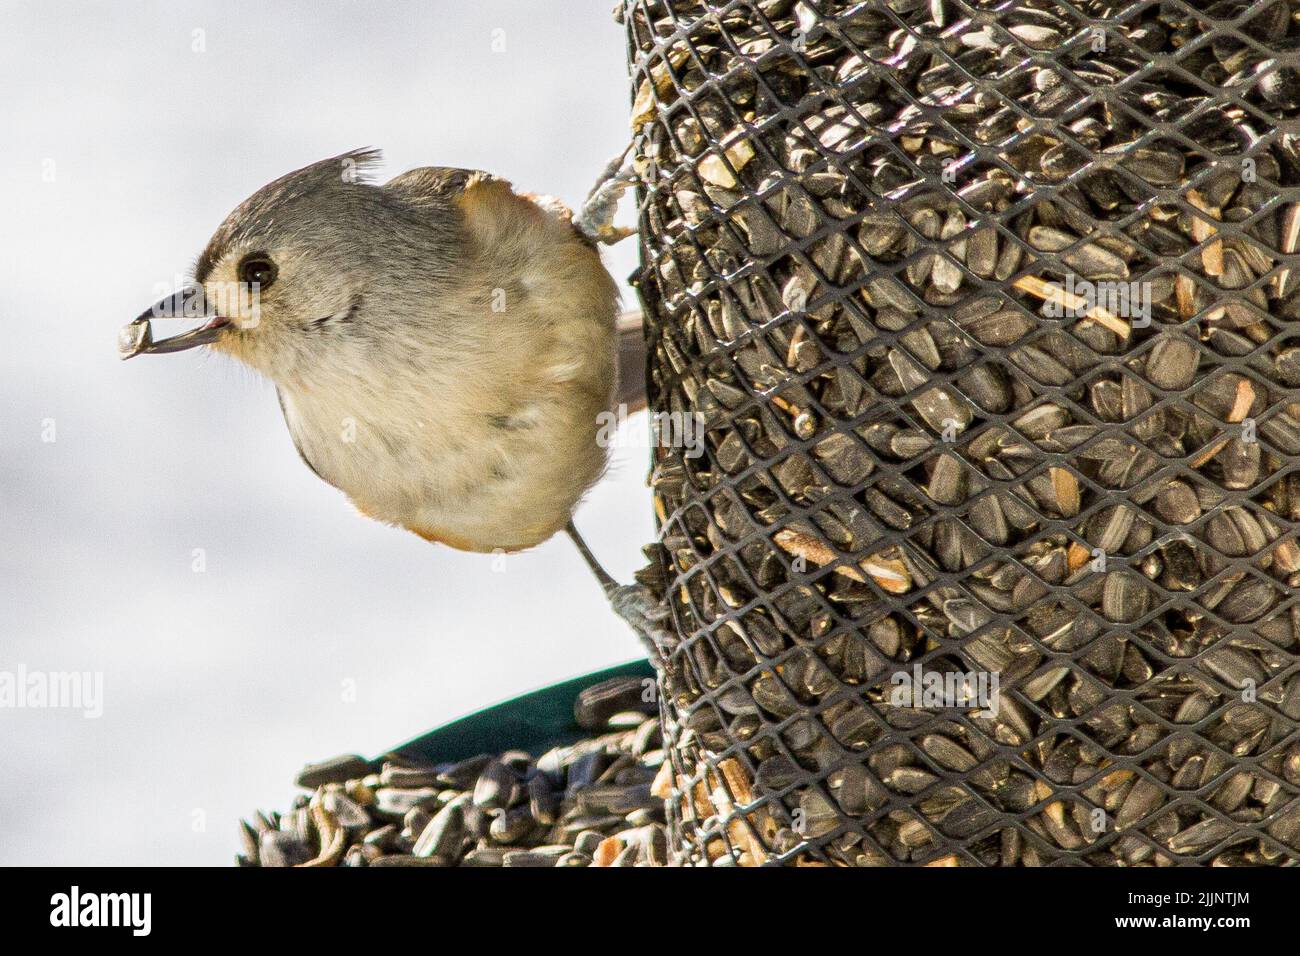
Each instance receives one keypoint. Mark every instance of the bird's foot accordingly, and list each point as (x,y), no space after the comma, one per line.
(646,615)
(634,603)
(595,219)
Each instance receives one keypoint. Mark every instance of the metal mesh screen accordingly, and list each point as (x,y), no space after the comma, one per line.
(987,310)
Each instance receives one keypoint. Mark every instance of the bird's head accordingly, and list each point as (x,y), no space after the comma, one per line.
(290,268)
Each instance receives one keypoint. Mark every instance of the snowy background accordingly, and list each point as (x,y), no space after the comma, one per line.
(129,131)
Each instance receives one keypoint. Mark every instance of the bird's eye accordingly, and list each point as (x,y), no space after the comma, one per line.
(257,268)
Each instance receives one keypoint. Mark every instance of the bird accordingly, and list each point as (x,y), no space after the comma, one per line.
(443,347)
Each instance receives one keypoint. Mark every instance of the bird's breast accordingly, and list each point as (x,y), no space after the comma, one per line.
(471,455)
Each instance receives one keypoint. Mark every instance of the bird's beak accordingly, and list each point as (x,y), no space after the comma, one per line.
(189,302)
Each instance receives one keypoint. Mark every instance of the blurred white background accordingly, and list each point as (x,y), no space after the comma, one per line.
(129,131)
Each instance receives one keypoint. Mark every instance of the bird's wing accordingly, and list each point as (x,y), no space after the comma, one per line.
(631,362)
(487,201)
(491,207)
(296,443)
(427,184)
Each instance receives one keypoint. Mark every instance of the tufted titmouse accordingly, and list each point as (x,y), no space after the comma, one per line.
(443,347)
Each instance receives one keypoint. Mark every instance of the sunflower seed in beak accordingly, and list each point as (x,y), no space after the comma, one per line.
(134,338)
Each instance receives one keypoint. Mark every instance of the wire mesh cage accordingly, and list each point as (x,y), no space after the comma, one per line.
(986,309)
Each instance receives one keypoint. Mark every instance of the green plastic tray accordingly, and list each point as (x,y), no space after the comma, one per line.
(534,722)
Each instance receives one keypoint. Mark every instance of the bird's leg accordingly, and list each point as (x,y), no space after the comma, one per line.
(595,219)
(632,602)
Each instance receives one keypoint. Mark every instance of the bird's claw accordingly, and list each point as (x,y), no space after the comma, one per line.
(645,614)
(595,219)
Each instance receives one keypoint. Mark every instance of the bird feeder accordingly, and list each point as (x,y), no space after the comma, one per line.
(987,312)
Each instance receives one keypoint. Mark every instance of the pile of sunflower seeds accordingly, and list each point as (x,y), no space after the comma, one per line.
(591,803)
(987,311)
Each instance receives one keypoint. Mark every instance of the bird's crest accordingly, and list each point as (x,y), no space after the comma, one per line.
(337,172)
